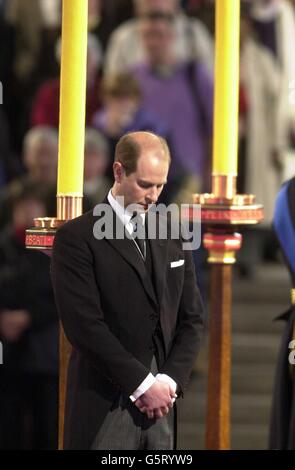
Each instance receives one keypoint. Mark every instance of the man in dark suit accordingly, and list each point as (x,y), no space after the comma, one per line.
(130,307)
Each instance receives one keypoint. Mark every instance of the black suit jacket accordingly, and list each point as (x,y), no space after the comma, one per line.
(109,311)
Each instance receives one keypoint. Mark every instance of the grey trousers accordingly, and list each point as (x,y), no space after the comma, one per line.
(127,428)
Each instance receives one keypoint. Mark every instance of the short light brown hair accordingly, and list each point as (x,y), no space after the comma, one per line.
(122,85)
(128,151)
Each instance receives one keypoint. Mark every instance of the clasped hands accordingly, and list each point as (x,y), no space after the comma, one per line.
(157,401)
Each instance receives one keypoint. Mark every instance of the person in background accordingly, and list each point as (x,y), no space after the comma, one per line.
(123,111)
(203,10)
(180,94)
(96,159)
(274,26)
(40,153)
(35,27)
(259,145)
(260,81)
(105,15)
(125,49)
(282,426)
(28,333)
(45,105)
(9,166)
(6,61)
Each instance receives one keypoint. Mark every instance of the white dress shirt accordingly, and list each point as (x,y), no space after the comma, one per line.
(125,216)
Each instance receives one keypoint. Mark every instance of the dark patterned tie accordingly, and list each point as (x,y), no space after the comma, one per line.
(139,233)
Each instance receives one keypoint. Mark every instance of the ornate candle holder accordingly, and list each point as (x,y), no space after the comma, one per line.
(222,213)
(41,236)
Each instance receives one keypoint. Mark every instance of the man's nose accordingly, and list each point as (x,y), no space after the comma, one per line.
(153,195)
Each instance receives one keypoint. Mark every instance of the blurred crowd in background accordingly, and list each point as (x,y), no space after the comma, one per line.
(150,67)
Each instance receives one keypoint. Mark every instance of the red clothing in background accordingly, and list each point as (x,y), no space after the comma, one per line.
(45,107)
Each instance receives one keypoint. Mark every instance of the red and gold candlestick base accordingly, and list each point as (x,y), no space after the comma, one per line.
(222,212)
(41,236)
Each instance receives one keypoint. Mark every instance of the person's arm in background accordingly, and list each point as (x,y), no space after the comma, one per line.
(205,90)
(271,77)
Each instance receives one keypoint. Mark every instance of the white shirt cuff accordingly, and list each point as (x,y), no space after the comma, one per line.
(168,380)
(147,383)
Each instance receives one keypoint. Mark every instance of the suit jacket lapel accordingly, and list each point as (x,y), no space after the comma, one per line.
(129,252)
(159,251)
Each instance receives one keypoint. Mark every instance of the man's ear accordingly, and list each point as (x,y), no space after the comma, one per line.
(118,171)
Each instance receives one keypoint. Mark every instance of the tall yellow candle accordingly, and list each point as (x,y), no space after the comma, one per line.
(72,97)
(226,97)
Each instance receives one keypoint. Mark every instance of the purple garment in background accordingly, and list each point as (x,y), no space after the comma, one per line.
(143,120)
(173,100)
